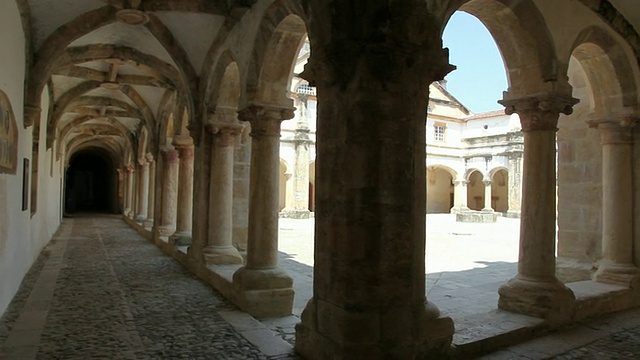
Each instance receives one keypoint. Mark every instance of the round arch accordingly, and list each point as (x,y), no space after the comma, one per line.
(499,189)
(475,189)
(440,189)
(91,182)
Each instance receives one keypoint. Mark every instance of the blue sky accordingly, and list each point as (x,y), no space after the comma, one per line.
(480,78)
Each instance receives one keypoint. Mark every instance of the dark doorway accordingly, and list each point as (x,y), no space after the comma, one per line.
(91,184)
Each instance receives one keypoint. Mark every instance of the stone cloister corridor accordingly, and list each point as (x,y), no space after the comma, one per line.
(169,116)
(89,296)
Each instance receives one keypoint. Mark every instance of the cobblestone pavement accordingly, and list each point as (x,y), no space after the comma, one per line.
(117,296)
(99,290)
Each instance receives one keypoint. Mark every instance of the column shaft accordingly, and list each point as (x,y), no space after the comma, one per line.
(515,185)
(182,235)
(487,196)
(169,189)
(220,249)
(143,191)
(148,222)
(535,290)
(616,265)
(129,191)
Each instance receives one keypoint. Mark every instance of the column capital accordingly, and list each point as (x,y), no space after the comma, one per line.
(149,157)
(182,141)
(487,182)
(257,112)
(265,119)
(615,131)
(460,182)
(169,155)
(128,168)
(224,134)
(539,112)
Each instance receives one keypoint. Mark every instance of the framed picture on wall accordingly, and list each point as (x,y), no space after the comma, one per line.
(25,184)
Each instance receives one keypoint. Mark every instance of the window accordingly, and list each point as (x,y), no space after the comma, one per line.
(438,132)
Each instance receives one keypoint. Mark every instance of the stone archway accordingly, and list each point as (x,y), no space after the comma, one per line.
(500,191)
(91,184)
(439,190)
(475,191)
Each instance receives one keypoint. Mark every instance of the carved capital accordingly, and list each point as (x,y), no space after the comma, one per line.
(149,158)
(169,155)
(487,182)
(265,119)
(615,131)
(128,168)
(224,134)
(182,140)
(539,112)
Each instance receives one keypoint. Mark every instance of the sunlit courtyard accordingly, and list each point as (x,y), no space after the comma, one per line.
(465,265)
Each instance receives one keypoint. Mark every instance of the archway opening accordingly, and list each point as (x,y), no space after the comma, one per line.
(475,191)
(500,191)
(439,190)
(91,184)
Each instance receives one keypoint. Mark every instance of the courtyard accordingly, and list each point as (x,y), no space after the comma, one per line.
(465,264)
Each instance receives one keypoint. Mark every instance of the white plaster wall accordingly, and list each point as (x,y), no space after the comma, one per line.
(46,220)
(17,252)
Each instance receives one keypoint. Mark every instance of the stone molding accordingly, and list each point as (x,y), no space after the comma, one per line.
(617,131)
(265,119)
(170,155)
(224,134)
(539,112)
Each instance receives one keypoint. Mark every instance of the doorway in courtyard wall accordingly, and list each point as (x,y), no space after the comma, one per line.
(91,184)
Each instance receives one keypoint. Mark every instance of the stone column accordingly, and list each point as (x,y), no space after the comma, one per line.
(128,190)
(300,193)
(220,249)
(143,191)
(134,193)
(262,287)
(182,235)
(616,265)
(515,184)
(459,196)
(535,290)
(169,189)
(369,275)
(487,196)
(148,222)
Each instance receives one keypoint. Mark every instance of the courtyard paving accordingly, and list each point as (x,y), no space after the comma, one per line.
(101,291)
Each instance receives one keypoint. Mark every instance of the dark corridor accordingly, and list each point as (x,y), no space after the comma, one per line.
(91,184)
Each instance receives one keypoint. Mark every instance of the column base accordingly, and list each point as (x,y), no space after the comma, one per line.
(459,209)
(181,238)
(487,211)
(328,331)
(295,214)
(477,217)
(147,223)
(164,230)
(619,274)
(222,255)
(545,298)
(263,293)
(141,218)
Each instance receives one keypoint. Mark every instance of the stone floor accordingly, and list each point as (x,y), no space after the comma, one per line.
(99,290)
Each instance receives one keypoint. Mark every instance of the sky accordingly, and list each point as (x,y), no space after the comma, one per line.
(480,77)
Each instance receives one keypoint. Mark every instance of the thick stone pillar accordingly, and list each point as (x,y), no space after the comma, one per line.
(487,196)
(616,265)
(515,184)
(263,288)
(170,161)
(128,208)
(220,249)
(148,222)
(369,275)
(459,196)
(535,290)
(182,236)
(143,191)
